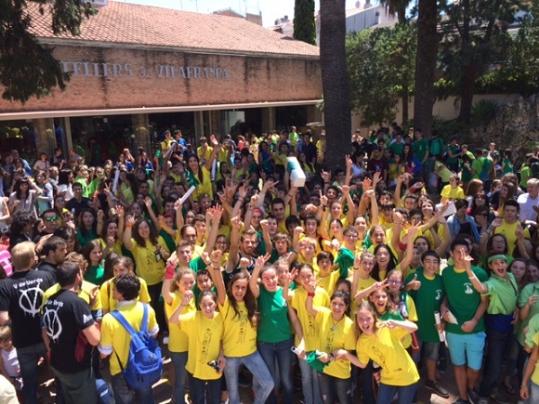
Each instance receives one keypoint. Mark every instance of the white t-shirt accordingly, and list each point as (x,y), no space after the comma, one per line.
(526,207)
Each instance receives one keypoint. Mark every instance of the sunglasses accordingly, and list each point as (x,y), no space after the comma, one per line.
(51,218)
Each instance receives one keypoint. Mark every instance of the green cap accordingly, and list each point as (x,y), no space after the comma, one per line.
(499,257)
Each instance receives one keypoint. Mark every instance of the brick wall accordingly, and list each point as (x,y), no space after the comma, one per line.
(132,80)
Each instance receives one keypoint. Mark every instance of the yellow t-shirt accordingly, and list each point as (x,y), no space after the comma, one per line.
(115,340)
(204,153)
(333,336)
(321,299)
(109,303)
(508,230)
(204,336)
(116,248)
(385,348)
(329,282)
(85,292)
(177,339)
(535,374)
(449,192)
(239,336)
(204,185)
(149,266)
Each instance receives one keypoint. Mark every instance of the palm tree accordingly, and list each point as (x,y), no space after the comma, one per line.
(335,81)
(427,49)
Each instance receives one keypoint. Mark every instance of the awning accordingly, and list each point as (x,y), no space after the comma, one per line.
(9,116)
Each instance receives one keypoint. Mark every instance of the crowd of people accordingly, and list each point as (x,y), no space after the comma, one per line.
(360,281)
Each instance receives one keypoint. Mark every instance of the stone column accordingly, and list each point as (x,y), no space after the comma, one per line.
(141,124)
(199,125)
(268,119)
(45,139)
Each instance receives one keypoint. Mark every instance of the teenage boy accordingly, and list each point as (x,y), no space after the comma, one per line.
(427,289)
(115,340)
(464,316)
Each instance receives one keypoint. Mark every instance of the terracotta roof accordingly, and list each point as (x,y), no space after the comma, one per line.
(124,23)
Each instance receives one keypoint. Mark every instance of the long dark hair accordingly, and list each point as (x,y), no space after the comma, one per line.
(345,297)
(83,230)
(391,265)
(200,172)
(17,187)
(249,299)
(136,236)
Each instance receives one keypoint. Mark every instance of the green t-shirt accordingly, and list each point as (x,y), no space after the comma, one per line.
(427,300)
(83,239)
(397,148)
(503,294)
(525,174)
(419,148)
(197,264)
(169,241)
(462,298)
(528,291)
(533,329)
(344,260)
(454,149)
(274,325)
(95,274)
(436,147)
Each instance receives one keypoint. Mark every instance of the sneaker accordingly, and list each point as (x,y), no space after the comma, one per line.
(437,389)
(473,396)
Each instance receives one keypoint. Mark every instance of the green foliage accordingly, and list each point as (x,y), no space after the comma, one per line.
(27,68)
(483,112)
(381,67)
(304,26)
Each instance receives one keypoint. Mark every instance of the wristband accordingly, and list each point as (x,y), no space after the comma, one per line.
(310,294)
(170,271)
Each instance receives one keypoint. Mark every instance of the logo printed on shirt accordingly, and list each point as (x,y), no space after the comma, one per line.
(52,323)
(438,294)
(468,288)
(86,318)
(30,298)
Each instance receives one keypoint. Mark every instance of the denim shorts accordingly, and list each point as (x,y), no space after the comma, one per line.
(430,350)
(466,349)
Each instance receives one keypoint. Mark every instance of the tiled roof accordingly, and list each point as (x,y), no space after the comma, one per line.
(124,23)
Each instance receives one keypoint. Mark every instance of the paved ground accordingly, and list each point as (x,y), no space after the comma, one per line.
(163,390)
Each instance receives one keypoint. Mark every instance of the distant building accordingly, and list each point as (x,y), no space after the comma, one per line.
(229,12)
(284,26)
(364,16)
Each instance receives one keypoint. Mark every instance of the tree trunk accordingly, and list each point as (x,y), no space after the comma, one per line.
(427,48)
(466,93)
(404,99)
(335,81)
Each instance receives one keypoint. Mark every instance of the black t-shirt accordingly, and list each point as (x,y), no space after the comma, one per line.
(21,296)
(76,206)
(49,268)
(65,315)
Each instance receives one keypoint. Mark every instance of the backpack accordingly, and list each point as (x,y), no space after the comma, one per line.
(144,366)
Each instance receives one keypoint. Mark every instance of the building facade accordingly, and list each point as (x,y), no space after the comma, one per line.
(136,70)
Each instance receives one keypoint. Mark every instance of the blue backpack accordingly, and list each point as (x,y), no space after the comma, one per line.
(144,366)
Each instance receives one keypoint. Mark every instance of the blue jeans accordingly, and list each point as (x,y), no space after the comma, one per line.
(309,384)
(204,391)
(124,395)
(533,389)
(262,380)
(279,354)
(498,348)
(333,388)
(366,383)
(179,359)
(28,358)
(405,394)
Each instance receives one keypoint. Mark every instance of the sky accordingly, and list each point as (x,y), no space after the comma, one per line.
(271,9)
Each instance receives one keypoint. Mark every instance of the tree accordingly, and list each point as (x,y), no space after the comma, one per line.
(425,65)
(397,7)
(475,37)
(335,80)
(304,27)
(27,68)
(381,65)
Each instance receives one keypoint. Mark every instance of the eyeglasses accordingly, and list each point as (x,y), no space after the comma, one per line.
(50,218)
(431,261)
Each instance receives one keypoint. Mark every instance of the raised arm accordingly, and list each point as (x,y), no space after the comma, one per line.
(148,203)
(175,317)
(253,280)
(130,222)
(213,261)
(311,289)
(404,265)
(234,243)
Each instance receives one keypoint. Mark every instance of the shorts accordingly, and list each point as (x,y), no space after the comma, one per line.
(430,350)
(466,349)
